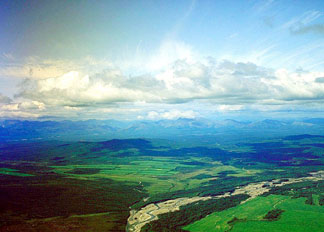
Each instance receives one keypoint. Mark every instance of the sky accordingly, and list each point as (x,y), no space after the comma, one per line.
(161,59)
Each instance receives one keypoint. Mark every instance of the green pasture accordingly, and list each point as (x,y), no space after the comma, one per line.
(156,174)
(12,172)
(297,217)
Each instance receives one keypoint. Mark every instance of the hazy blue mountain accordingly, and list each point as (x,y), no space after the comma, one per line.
(108,129)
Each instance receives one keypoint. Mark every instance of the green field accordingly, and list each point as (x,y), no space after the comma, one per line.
(297,216)
(84,185)
(12,172)
(157,174)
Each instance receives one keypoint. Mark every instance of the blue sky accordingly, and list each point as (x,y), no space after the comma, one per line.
(161,59)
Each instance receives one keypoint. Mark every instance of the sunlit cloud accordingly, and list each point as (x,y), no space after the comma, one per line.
(170,115)
(223,82)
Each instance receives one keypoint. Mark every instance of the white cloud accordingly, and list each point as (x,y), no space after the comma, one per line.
(170,115)
(75,89)
(222,82)
(28,105)
(225,108)
(25,109)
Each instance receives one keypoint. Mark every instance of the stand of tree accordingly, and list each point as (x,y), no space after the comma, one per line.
(174,221)
(273,215)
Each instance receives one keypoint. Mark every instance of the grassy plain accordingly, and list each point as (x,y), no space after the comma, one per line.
(45,184)
(297,216)
(12,172)
(156,174)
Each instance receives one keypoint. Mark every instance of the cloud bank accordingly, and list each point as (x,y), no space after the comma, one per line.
(223,82)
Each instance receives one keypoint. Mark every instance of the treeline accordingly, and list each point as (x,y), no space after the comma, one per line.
(213,188)
(303,189)
(321,199)
(223,184)
(174,221)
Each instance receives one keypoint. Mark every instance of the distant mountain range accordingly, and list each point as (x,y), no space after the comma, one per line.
(106,129)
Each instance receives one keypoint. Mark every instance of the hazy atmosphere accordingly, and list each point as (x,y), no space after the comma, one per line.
(161,59)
